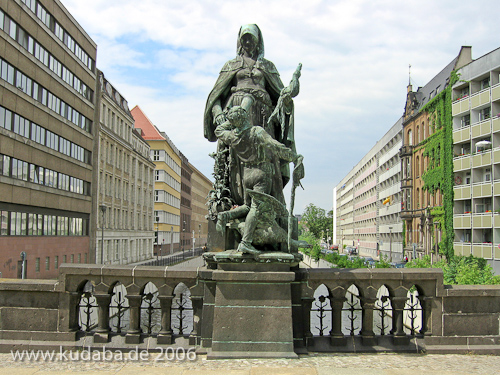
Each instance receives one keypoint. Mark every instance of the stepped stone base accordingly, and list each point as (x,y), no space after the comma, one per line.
(252,313)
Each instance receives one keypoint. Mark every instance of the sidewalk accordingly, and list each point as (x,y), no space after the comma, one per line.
(314,364)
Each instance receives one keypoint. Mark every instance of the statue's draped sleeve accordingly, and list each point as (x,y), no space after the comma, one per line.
(220,92)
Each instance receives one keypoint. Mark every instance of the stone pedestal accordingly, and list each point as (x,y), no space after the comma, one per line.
(252,311)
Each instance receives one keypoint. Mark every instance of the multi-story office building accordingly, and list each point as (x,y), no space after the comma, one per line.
(167,186)
(47,84)
(186,235)
(367,202)
(422,232)
(476,162)
(125,176)
(200,188)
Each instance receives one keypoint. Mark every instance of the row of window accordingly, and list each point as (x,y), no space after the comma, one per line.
(116,218)
(115,123)
(164,217)
(49,21)
(164,176)
(18,79)
(164,197)
(33,47)
(29,224)
(19,125)
(161,155)
(15,168)
(185,202)
(114,156)
(56,261)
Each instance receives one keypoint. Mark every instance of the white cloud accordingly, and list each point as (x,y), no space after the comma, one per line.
(165,56)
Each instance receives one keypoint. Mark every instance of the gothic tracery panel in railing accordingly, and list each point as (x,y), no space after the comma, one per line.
(87,309)
(119,313)
(383,318)
(321,319)
(351,312)
(150,310)
(182,311)
(412,317)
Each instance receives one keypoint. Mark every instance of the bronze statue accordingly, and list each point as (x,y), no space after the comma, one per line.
(260,156)
(252,82)
(250,114)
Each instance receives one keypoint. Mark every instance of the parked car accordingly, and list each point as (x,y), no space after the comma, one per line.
(369,261)
(334,247)
(398,264)
(351,250)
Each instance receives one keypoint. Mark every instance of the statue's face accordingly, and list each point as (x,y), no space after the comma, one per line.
(249,43)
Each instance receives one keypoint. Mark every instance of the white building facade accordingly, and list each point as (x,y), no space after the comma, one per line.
(367,202)
(125,231)
(476,162)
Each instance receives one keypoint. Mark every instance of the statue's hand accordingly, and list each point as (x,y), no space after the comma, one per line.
(287,99)
(298,171)
(220,119)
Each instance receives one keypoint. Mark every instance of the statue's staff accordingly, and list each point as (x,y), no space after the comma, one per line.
(298,174)
(291,91)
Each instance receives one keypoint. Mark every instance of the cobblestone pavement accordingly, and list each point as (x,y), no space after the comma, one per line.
(320,364)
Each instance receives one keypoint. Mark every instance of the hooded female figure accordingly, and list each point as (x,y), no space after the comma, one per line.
(252,82)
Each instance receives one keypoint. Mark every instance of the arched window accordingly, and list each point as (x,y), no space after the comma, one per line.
(410,138)
(417,138)
(417,167)
(417,199)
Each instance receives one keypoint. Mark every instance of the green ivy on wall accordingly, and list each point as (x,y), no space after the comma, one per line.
(439,174)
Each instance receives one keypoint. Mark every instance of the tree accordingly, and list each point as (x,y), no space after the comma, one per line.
(317,220)
(462,270)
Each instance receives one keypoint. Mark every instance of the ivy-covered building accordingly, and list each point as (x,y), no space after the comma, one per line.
(476,147)
(426,164)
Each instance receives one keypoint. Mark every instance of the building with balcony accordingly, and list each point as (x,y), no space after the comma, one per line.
(125,183)
(476,162)
(422,228)
(167,186)
(47,131)
(367,201)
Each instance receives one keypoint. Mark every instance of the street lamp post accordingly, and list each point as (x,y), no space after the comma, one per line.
(341,240)
(103,208)
(183,237)
(390,244)
(157,236)
(171,240)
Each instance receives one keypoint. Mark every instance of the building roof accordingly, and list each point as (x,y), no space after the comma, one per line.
(149,131)
(418,99)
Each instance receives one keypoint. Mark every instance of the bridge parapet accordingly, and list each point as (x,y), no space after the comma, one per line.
(336,310)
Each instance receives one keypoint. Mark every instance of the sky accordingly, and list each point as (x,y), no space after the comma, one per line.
(165,56)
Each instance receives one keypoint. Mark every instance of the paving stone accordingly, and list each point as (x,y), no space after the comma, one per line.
(315,363)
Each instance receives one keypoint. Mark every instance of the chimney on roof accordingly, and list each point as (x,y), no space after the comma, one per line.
(464,57)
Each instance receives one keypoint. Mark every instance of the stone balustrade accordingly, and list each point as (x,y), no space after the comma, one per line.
(347,310)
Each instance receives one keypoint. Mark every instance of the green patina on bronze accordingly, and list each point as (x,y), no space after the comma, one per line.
(250,114)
